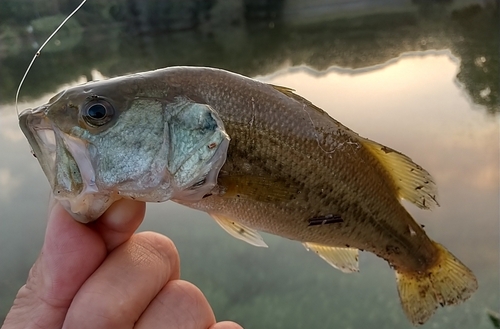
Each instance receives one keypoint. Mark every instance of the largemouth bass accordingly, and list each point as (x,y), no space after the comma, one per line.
(256,157)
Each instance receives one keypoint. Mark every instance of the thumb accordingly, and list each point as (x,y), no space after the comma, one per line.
(70,254)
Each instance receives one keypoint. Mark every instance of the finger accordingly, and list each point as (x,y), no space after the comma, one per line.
(226,325)
(179,305)
(122,287)
(70,254)
(119,222)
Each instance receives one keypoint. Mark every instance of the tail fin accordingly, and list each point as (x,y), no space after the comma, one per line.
(448,282)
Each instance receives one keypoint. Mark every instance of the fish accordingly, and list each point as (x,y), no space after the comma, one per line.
(256,157)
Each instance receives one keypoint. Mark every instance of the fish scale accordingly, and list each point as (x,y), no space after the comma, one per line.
(322,169)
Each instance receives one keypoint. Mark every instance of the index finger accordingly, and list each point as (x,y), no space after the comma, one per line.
(119,222)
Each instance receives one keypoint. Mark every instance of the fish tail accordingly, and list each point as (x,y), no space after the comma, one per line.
(447,282)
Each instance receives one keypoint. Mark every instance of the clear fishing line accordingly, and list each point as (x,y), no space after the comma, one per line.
(37,54)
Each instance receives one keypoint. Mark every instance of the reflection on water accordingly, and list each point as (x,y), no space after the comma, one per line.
(413,104)
(256,39)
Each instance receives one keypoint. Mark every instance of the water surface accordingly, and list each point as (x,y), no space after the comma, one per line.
(417,85)
(412,104)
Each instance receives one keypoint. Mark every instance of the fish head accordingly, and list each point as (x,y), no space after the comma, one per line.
(113,139)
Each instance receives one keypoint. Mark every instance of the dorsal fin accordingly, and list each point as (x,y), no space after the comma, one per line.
(413,182)
(291,93)
(342,258)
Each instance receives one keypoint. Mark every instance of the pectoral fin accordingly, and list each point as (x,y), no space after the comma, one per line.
(342,258)
(413,182)
(240,231)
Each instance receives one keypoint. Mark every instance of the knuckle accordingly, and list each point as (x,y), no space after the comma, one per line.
(156,247)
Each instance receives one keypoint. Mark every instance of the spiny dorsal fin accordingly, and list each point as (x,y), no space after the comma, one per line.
(342,258)
(240,231)
(414,183)
(291,93)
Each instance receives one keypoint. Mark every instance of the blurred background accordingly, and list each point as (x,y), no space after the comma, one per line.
(419,76)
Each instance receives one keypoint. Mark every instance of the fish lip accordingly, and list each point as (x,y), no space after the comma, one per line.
(41,136)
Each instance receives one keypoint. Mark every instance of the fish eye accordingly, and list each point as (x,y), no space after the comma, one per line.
(97,112)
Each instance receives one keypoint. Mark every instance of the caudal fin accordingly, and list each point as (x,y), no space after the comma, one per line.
(446,283)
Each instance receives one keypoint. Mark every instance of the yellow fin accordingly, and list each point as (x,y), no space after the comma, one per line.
(342,258)
(240,231)
(414,183)
(448,282)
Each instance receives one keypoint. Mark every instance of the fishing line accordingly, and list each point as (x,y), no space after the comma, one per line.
(37,54)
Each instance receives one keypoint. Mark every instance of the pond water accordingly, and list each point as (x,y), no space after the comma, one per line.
(415,101)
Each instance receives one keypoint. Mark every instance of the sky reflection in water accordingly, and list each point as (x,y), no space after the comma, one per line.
(412,104)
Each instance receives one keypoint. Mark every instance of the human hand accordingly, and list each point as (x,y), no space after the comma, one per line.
(102,275)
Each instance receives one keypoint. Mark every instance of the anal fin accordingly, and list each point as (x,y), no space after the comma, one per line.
(240,231)
(342,258)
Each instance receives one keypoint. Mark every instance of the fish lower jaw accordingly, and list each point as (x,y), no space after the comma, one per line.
(88,205)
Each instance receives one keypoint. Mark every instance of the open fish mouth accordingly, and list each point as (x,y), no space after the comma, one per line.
(88,172)
(41,137)
(67,164)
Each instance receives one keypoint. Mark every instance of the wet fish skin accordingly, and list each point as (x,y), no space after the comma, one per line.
(315,163)
(287,163)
